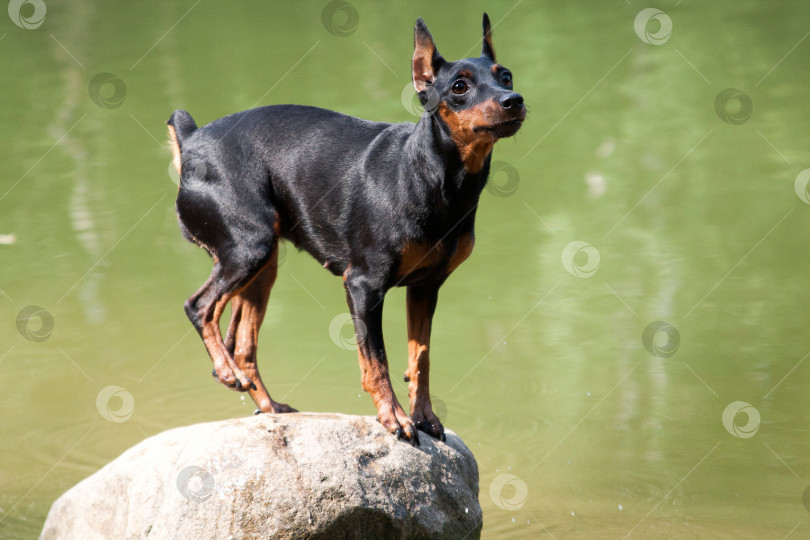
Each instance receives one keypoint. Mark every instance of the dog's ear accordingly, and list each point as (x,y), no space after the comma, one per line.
(487,50)
(426,59)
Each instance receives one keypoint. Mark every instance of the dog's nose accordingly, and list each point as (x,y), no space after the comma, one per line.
(512,102)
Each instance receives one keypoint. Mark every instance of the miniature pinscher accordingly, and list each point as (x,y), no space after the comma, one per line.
(382,205)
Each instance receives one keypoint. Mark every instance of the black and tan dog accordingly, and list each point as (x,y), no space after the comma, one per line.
(382,205)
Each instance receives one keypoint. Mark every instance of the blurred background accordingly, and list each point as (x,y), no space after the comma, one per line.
(624,352)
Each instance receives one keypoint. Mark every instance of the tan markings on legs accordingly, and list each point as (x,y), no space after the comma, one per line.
(366,303)
(236,317)
(212,337)
(376,380)
(421,303)
(473,145)
(463,251)
(418,348)
(221,368)
(252,305)
(226,370)
(372,379)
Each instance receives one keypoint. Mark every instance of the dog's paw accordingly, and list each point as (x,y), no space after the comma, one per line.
(274,408)
(425,420)
(283,408)
(398,423)
(235,380)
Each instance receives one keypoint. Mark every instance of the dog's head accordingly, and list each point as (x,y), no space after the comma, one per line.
(473,97)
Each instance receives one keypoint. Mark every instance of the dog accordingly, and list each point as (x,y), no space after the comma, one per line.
(382,205)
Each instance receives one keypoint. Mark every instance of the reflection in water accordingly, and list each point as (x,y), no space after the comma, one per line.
(80,203)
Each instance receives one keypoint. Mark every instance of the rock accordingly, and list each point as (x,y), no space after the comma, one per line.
(304,475)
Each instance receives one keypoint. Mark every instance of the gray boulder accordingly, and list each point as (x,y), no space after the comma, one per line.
(304,475)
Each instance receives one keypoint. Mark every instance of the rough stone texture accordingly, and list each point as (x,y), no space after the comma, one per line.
(302,475)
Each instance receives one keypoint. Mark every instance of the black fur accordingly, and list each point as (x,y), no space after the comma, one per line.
(352,193)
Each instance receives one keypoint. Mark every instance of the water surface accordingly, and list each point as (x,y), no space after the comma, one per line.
(683,199)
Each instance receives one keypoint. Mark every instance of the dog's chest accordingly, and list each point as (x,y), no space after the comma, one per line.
(428,258)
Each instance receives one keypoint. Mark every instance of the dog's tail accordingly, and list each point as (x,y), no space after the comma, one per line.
(181,125)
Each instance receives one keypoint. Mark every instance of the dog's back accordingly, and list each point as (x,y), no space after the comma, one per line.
(383,205)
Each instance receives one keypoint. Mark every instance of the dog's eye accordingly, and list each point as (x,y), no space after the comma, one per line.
(507,79)
(459,87)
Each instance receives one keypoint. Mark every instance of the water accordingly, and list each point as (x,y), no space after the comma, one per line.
(682,216)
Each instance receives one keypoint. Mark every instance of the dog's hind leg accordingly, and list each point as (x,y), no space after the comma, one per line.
(235,268)
(204,309)
(247,313)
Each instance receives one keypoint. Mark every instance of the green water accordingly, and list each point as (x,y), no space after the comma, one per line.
(684,215)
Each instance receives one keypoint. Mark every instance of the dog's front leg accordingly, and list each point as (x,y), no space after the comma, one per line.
(365,297)
(421,303)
